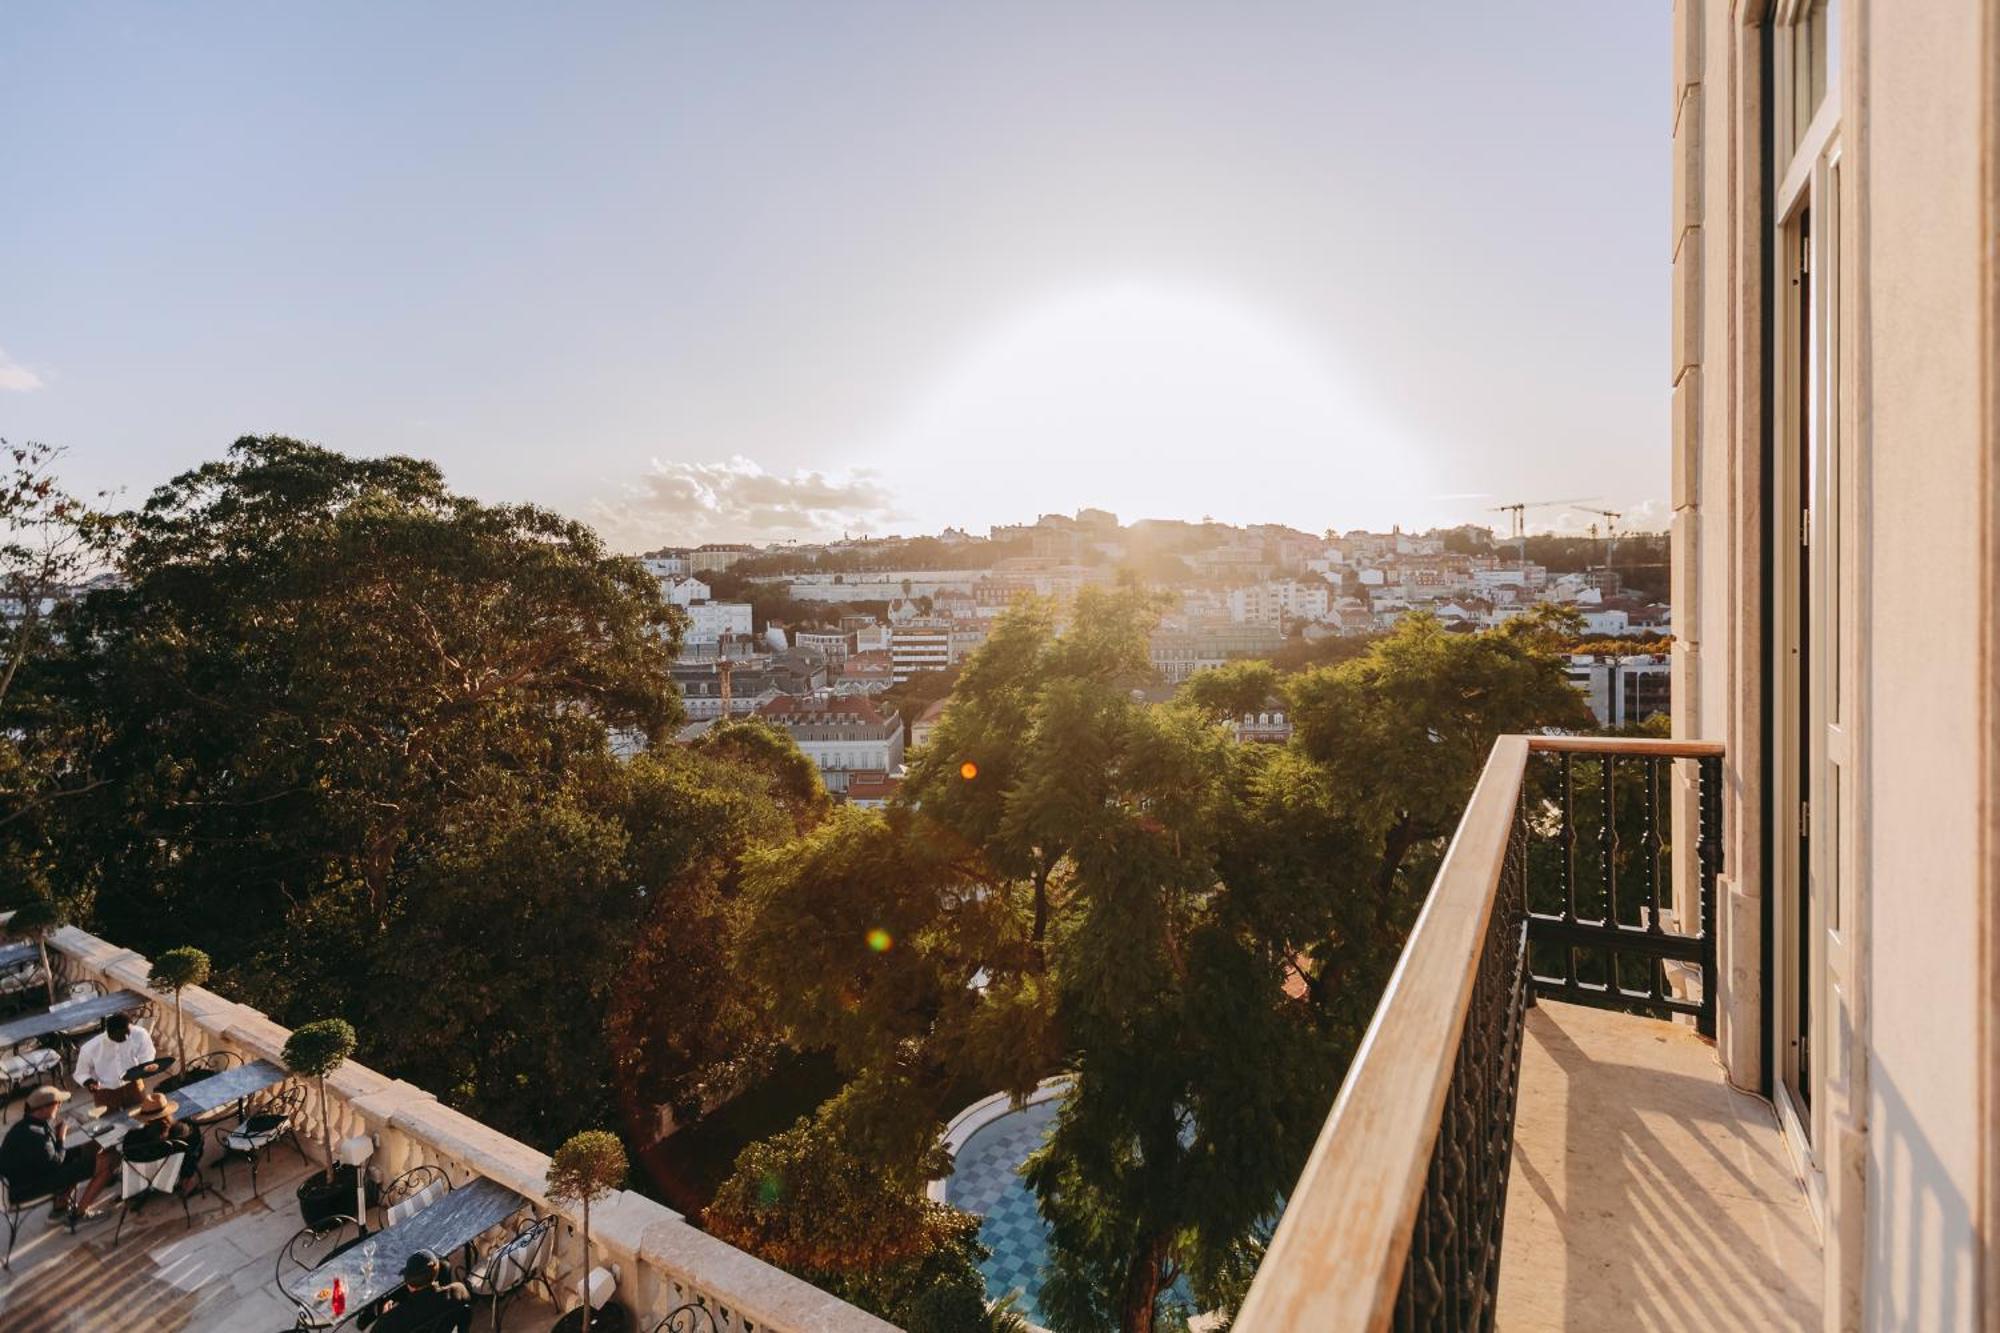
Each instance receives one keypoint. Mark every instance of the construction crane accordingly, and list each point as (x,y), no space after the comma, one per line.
(1519,510)
(1611,517)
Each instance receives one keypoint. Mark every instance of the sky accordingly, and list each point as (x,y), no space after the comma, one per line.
(766,271)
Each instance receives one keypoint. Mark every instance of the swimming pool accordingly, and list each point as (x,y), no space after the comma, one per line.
(986,1180)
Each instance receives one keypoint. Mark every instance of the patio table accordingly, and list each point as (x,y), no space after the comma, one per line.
(454,1221)
(17,1030)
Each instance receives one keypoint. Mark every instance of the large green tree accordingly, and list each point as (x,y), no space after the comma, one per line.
(1194,930)
(355,734)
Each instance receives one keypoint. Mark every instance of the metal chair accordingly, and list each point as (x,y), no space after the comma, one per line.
(511,1267)
(30,1065)
(272,1119)
(694,1317)
(309,1247)
(14,1209)
(197,1068)
(412,1192)
(157,1168)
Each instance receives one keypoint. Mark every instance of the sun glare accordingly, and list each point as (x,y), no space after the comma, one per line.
(1155,400)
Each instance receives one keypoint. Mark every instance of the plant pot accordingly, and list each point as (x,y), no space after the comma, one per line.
(320,1198)
(612,1318)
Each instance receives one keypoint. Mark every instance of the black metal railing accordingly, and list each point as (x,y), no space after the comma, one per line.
(1557,883)
(1603,927)
(1453,1275)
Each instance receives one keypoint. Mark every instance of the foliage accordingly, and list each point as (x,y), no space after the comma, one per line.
(38,917)
(50,543)
(1231,690)
(318,1048)
(177,969)
(1195,930)
(325,704)
(857,1227)
(589,1165)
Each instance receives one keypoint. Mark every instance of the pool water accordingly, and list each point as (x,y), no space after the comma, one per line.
(986,1180)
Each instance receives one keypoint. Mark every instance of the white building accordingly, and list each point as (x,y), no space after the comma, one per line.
(684,591)
(710,621)
(920,647)
(843,734)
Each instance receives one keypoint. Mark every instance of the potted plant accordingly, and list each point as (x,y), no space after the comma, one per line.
(316,1050)
(588,1166)
(37,919)
(174,971)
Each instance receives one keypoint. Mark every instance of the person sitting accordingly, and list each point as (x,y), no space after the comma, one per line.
(422,1302)
(33,1160)
(101,1064)
(157,1132)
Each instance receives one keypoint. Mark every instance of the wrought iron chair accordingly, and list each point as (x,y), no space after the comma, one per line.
(309,1247)
(272,1119)
(15,1209)
(509,1268)
(198,1067)
(412,1192)
(694,1317)
(30,1065)
(76,993)
(158,1168)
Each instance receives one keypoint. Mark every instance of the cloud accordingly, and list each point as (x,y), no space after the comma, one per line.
(15,377)
(737,500)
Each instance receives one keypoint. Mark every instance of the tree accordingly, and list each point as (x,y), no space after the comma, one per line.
(325,698)
(803,1200)
(317,1049)
(50,543)
(174,971)
(1229,691)
(588,1166)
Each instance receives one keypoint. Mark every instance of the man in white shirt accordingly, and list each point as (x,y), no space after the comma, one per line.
(101,1064)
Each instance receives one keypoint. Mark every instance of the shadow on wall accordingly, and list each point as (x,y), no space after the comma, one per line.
(1920,1234)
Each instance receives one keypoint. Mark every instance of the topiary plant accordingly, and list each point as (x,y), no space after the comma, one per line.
(588,1166)
(37,919)
(316,1050)
(174,971)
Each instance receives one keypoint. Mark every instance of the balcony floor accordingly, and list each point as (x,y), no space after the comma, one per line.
(1645,1192)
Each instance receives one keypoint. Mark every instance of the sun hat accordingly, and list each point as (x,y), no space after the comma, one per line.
(155,1107)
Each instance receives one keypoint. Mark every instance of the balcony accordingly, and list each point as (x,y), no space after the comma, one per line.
(1539,1069)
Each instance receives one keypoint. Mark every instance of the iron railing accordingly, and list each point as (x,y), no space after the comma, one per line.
(1396,1220)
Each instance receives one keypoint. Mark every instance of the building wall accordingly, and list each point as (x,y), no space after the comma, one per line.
(1905,1151)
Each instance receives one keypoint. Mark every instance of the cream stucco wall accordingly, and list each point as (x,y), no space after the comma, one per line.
(1920,90)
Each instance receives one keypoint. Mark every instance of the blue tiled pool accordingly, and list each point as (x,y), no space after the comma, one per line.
(986,1180)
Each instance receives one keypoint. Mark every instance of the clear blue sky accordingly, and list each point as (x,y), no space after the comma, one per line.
(756,269)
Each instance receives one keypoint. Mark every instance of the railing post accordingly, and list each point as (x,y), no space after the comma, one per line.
(1708,800)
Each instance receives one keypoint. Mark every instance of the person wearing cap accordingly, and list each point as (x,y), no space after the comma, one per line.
(101,1064)
(422,1302)
(33,1159)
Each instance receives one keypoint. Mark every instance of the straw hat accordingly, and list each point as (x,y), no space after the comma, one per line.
(46,1096)
(155,1107)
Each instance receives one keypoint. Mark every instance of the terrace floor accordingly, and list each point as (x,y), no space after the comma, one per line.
(1645,1192)
(217,1277)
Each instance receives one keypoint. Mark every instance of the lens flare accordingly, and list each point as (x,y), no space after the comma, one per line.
(968,770)
(879,940)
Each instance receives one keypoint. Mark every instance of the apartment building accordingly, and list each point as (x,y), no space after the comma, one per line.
(710,621)
(1815,1142)
(843,734)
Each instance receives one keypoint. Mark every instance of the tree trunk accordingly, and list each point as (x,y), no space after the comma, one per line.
(180,1042)
(586,1263)
(1141,1297)
(326,1130)
(48,973)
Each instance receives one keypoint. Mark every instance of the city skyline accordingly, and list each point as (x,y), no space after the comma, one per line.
(750,276)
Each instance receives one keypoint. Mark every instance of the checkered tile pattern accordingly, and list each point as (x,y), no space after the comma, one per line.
(985,1180)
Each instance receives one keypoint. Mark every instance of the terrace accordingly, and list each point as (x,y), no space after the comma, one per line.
(219,1274)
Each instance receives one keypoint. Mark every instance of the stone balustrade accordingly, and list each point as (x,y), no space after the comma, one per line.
(660,1260)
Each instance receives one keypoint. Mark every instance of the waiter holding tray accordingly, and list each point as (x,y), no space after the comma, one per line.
(113,1066)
